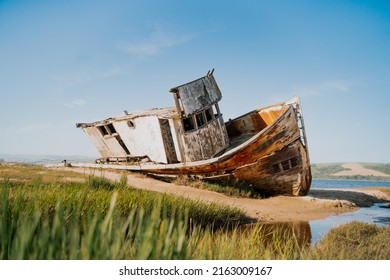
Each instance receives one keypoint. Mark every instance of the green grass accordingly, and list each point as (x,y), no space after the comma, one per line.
(354,241)
(72,233)
(75,221)
(44,217)
(95,195)
(229,188)
(30,172)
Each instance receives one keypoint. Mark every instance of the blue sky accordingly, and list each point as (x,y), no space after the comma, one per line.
(63,62)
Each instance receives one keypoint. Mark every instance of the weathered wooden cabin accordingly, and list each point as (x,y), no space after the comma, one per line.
(193,130)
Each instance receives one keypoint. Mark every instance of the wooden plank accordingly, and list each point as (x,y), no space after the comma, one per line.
(198,95)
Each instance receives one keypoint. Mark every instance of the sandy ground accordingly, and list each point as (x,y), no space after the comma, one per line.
(358,169)
(319,204)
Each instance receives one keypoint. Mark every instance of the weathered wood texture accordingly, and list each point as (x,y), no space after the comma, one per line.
(276,175)
(273,160)
(134,135)
(143,138)
(253,122)
(169,144)
(108,146)
(204,143)
(281,133)
(198,95)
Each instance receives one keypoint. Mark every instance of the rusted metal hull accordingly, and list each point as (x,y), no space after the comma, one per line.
(268,151)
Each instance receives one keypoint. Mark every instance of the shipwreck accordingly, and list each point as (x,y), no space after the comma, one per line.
(265,148)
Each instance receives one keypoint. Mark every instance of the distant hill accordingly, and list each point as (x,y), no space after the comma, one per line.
(352,171)
(43,159)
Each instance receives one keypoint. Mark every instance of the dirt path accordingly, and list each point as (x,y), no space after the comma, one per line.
(319,204)
(358,169)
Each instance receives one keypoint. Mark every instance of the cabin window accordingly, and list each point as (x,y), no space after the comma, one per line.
(108,129)
(131,124)
(200,120)
(216,110)
(276,168)
(111,128)
(102,130)
(188,124)
(180,103)
(209,114)
(294,161)
(285,165)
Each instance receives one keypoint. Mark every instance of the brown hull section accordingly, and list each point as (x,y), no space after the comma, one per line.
(274,161)
(285,172)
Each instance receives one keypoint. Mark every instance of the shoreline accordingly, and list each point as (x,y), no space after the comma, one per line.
(318,204)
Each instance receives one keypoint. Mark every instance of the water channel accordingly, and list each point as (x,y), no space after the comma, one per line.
(375,214)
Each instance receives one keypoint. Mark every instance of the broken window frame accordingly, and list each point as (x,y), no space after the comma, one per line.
(209,113)
(218,112)
(189,124)
(286,165)
(107,130)
(200,120)
(110,127)
(102,129)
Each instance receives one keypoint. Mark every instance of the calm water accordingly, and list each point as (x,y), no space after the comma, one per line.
(347,184)
(374,214)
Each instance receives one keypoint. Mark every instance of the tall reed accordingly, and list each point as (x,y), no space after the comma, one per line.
(32,228)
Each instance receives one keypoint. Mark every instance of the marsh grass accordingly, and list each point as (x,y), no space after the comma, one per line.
(95,195)
(70,234)
(354,241)
(29,172)
(44,218)
(385,190)
(248,243)
(230,188)
(31,229)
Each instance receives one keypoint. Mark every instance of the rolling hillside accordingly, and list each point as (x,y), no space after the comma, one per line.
(352,171)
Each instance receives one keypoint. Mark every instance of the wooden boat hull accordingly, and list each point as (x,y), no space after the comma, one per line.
(274,161)
(272,157)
